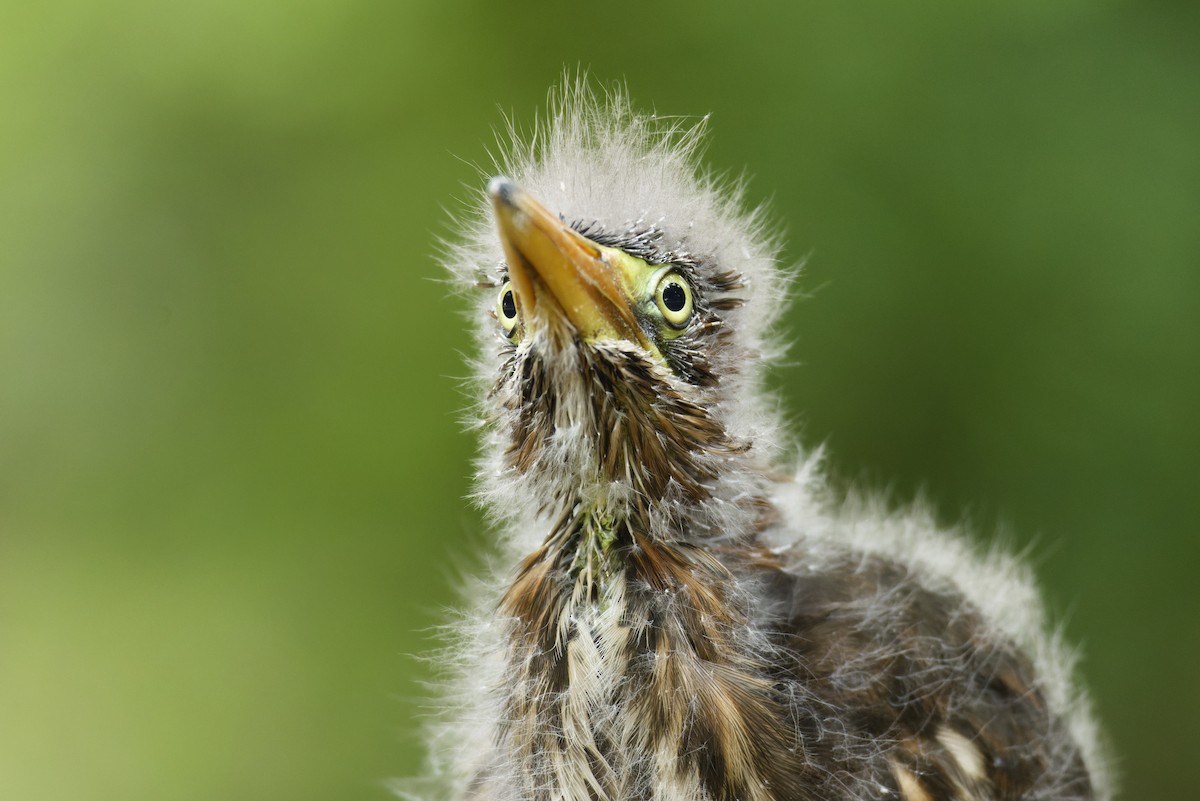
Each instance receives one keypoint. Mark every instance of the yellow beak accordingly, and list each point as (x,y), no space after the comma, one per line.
(558,274)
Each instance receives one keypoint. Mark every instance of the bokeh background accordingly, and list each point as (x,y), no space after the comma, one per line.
(231,461)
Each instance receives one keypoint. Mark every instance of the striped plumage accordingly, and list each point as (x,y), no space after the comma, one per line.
(687,619)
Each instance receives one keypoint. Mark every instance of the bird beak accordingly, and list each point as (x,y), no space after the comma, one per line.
(556,272)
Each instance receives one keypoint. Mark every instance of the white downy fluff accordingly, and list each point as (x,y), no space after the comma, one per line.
(595,159)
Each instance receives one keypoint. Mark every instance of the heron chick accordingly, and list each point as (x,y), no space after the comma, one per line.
(677,614)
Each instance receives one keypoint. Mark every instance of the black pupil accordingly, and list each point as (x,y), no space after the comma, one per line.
(674,298)
(508,305)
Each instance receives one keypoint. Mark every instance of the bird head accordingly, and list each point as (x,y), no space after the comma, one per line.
(624,318)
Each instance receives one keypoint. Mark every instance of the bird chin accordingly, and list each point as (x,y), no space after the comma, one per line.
(604,426)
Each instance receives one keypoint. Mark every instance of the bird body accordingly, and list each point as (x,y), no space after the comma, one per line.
(688,620)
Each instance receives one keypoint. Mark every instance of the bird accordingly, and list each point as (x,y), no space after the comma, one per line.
(678,605)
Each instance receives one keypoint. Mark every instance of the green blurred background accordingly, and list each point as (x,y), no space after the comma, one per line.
(231,465)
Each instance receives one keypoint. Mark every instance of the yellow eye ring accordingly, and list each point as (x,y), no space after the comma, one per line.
(674,299)
(506,309)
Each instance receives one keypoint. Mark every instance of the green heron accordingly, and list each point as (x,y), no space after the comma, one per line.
(678,616)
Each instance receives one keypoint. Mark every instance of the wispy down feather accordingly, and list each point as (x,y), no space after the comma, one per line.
(679,615)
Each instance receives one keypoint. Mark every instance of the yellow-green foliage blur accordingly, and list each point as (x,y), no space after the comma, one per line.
(232,469)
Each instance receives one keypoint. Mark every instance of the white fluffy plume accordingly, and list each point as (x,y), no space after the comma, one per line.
(595,160)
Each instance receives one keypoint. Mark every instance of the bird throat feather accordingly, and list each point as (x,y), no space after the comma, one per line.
(604,426)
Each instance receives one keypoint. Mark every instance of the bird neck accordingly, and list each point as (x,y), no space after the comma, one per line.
(594,542)
(631,646)
(577,566)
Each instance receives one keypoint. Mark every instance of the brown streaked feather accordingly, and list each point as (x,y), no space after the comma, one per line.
(643,430)
(966,721)
(715,667)
(677,636)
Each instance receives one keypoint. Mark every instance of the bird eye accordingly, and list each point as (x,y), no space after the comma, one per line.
(506,309)
(674,299)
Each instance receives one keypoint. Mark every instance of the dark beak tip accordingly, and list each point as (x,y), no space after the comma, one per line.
(502,190)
